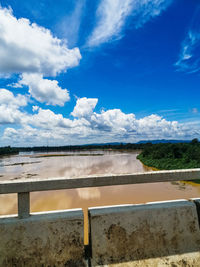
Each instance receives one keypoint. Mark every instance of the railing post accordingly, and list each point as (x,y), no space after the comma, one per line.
(23,205)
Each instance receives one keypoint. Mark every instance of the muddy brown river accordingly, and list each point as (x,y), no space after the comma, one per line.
(76,164)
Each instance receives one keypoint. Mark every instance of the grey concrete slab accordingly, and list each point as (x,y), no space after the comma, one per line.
(23,205)
(43,239)
(94,181)
(152,234)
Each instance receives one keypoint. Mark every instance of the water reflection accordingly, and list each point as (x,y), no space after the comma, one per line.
(89,193)
(82,164)
(69,166)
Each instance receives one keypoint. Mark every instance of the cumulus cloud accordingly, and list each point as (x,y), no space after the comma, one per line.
(10,132)
(84,107)
(112,15)
(89,126)
(27,47)
(47,119)
(34,53)
(28,136)
(7,98)
(113,120)
(44,90)
(157,127)
(120,125)
(10,107)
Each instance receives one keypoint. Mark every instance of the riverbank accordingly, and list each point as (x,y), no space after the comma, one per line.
(167,163)
(172,156)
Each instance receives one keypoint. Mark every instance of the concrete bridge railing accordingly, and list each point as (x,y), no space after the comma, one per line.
(154,234)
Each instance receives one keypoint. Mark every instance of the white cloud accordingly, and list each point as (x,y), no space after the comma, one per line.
(44,90)
(84,107)
(35,108)
(189,60)
(26,47)
(9,132)
(9,115)
(10,107)
(29,136)
(33,52)
(112,15)
(68,26)
(195,110)
(89,127)
(47,119)
(157,127)
(7,98)
(114,120)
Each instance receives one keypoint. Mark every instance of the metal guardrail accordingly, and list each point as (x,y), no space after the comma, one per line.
(23,188)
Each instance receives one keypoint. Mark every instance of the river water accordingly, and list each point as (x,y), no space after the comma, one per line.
(77,164)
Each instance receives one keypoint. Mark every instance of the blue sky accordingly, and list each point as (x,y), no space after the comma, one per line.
(82,71)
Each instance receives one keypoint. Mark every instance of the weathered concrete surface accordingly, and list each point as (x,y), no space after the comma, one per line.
(40,184)
(155,234)
(23,205)
(182,260)
(50,239)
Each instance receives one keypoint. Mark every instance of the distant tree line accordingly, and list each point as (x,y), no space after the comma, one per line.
(83,147)
(161,155)
(172,156)
(13,150)
(7,150)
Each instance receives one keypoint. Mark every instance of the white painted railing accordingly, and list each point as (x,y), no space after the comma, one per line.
(23,188)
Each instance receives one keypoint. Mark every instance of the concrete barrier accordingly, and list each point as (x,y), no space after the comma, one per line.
(154,234)
(43,239)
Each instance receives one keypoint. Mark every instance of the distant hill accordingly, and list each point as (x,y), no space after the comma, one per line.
(105,144)
(163,141)
(159,141)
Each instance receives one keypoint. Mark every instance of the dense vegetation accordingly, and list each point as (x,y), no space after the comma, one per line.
(172,156)
(8,150)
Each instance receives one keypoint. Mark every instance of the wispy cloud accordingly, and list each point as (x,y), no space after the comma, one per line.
(195,110)
(189,60)
(112,16)
(189,57)
(68,26)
